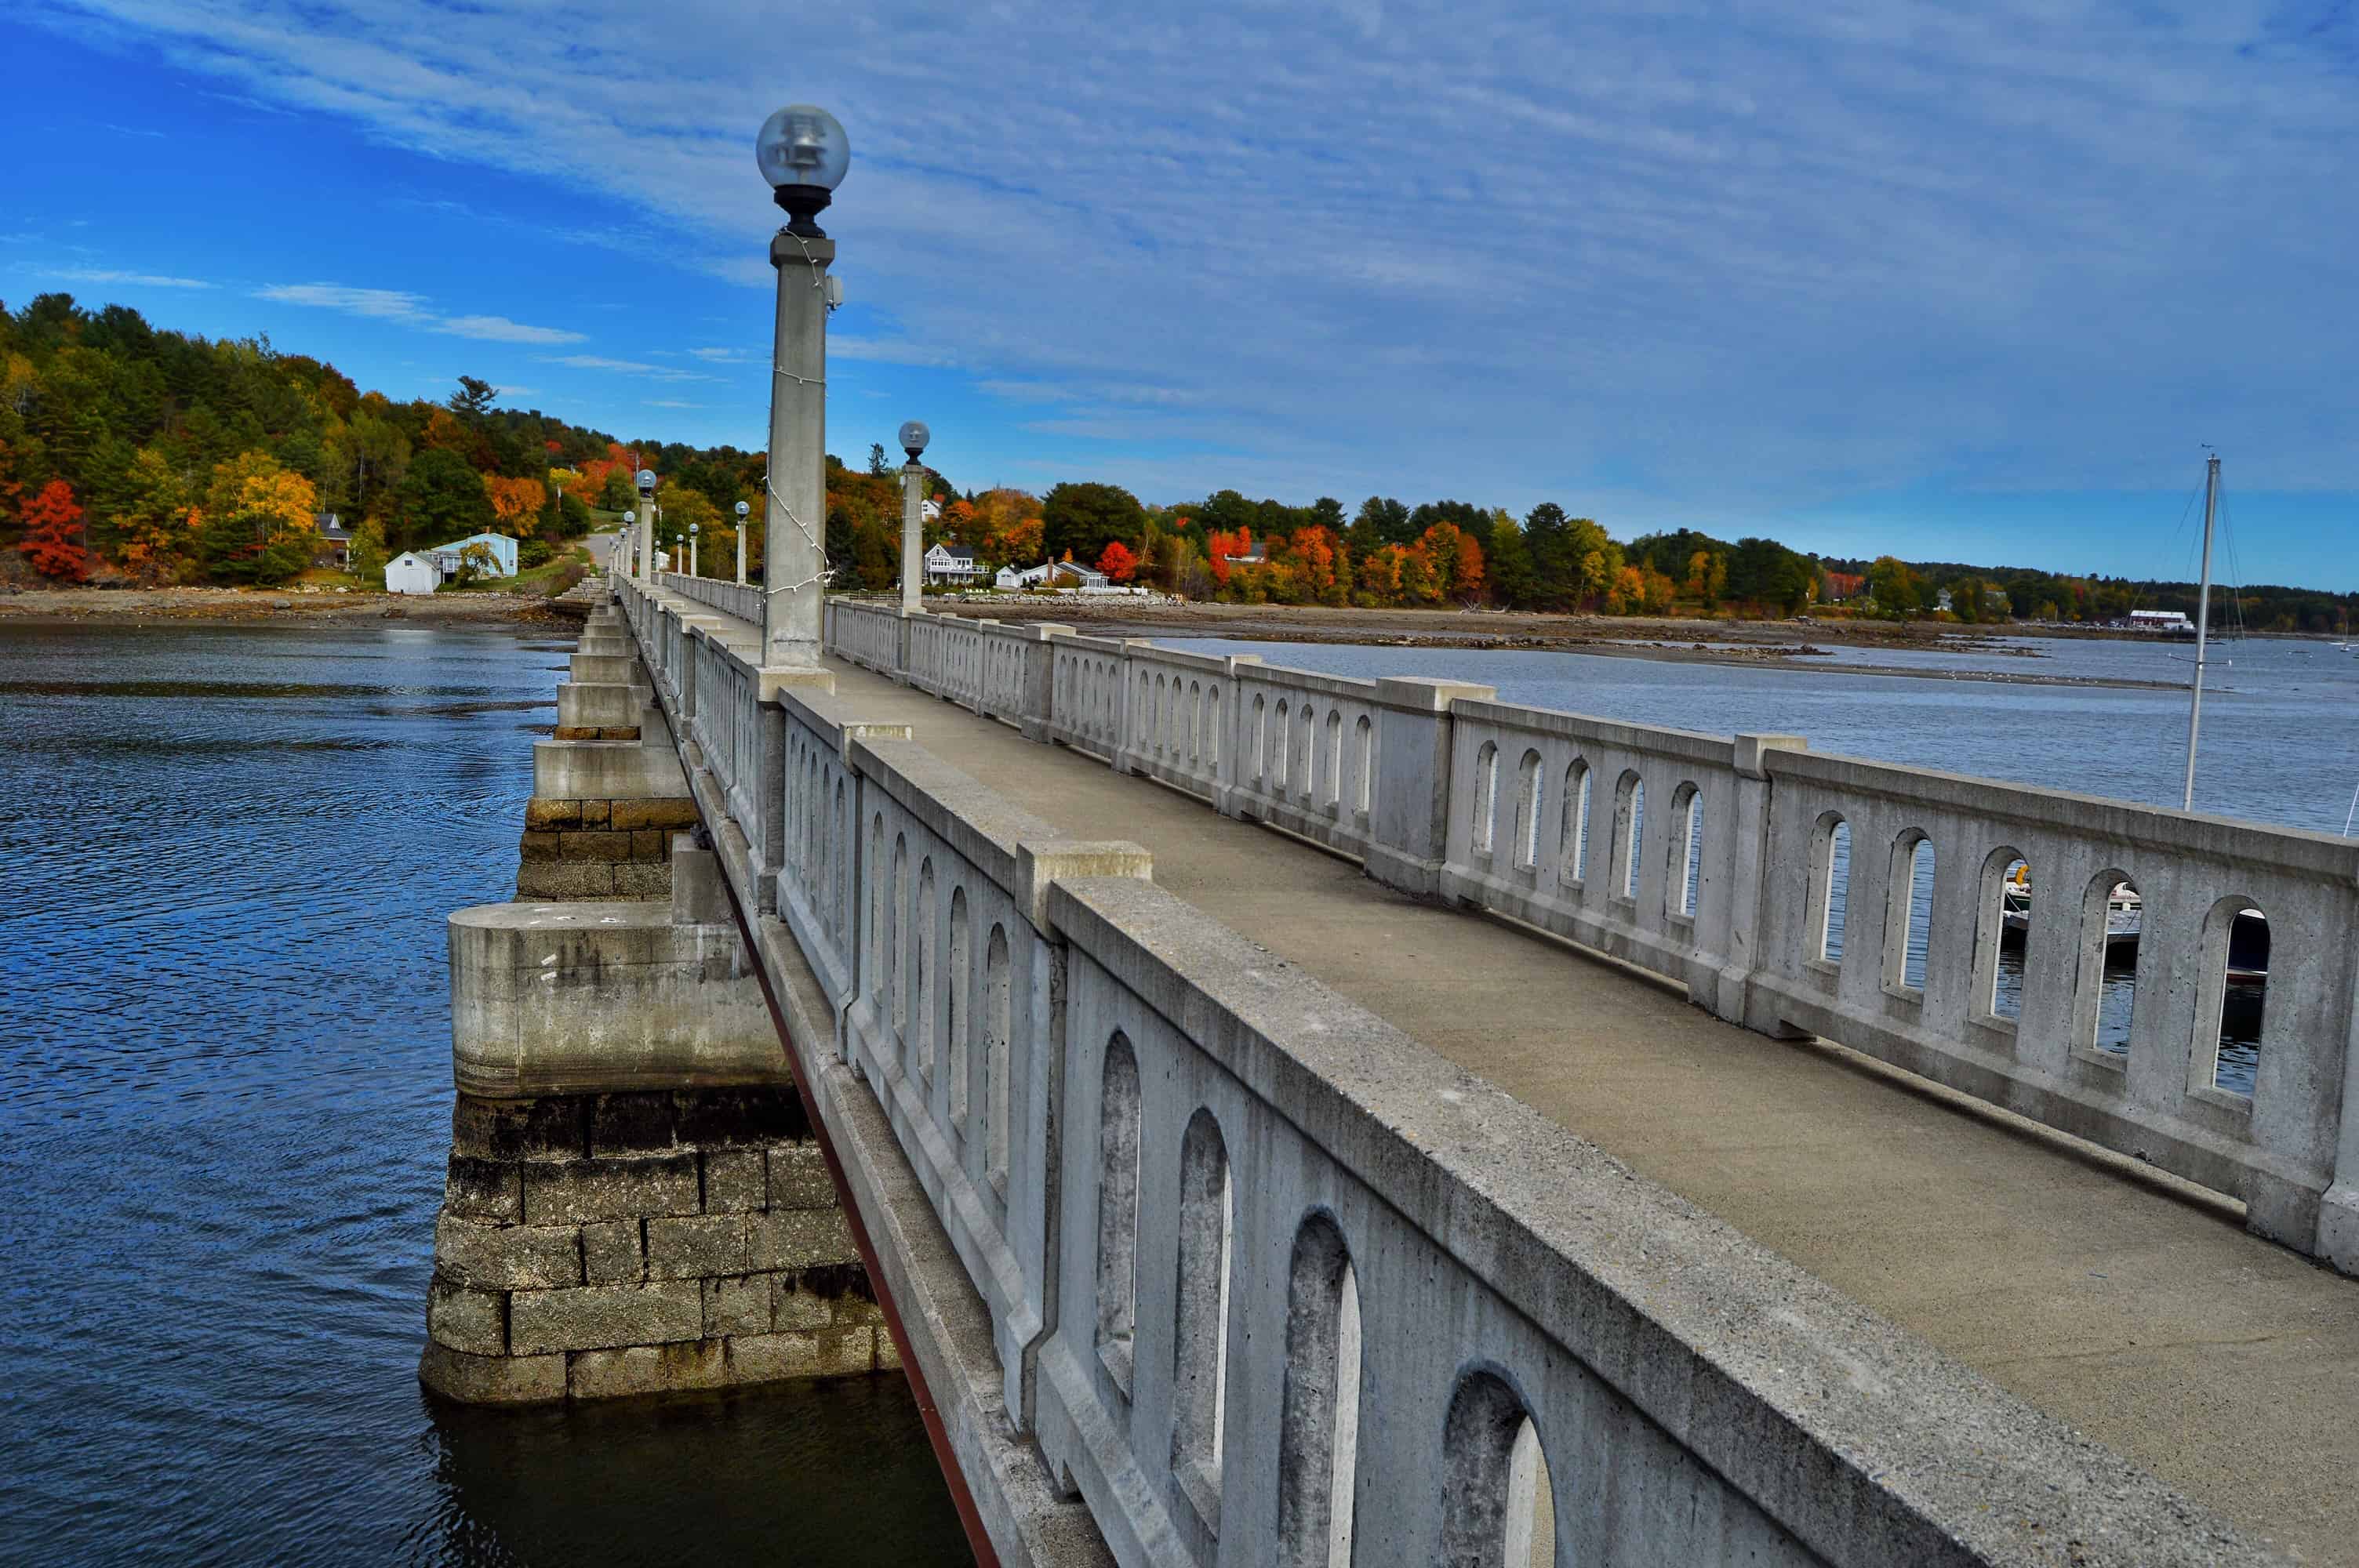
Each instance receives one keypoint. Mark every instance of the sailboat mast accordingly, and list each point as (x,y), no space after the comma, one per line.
(2203,628)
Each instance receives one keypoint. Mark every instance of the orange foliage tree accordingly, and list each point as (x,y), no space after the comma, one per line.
(515,500)
(1118,564)
(1220,544)
(53,533)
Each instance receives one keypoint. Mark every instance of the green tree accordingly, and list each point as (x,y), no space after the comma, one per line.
(441,499)
(1086,517)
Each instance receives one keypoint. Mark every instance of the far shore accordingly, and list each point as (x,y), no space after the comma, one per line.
(1747,644)
(148,606)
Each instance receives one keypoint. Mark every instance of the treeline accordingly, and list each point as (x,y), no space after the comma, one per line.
(1985,594)
(135,454)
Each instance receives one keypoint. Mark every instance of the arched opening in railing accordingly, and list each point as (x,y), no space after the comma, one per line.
(1319,1419)
(880,893)
(1195,723)
(1212,726)
(1574,851)
(2231,1008)
(1201,1309)
(998,1024)
(959,991)
(897,900)
(924,970)
(1686,879)
(1486,795)
(1274,783)
(2104,997)
(1908,913)
(1526,847)
(1829,885)
(1498,1501)
(1335,756)
(1629,834)
(1305,750)
(839,883)
(1259,755)
(1118,1210)
(2002,935)
(1365,744)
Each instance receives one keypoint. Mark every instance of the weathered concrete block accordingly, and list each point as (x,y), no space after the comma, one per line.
(604,1317)
(560,881)
(538,846)
(631,1124)
(594,814)
(552,813)
(469,1320)
(593,844)
(695,1245)
(649,880)
(552,1128)
(736,1181)
(740,1118)
(650,844)
(582,1190)
(830,1353)
(738,1305)
(612,1254)
(888,1355)
(798,1240)
(793,1309)
(483,1189)
(798,1177)
(506,1256)
(492,1380)
(652,814)
(647,1370)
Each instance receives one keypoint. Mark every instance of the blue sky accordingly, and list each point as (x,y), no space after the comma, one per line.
(1960,282)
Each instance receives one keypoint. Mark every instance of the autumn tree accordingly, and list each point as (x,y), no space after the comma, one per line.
(441,499)
(1117,562)
(514,502)
(1085,517)
(152,517)
(53,542)
(259,522)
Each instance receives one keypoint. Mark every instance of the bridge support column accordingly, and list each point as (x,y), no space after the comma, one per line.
(635,1201)
(1731,995)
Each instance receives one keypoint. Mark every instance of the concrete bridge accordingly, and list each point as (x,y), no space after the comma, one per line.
(1291,1118)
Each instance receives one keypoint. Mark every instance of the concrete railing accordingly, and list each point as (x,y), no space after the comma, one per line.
(742,599)
(1265,1279)
(1717,863)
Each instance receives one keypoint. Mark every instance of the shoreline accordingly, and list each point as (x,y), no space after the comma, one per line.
(51,608)
(1741,644)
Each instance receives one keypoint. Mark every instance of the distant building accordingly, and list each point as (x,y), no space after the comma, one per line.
(1053,574)
(446,558)
(930,510)
(952,563)
(1834,586)
(1942,600)
(335,548)
(1254,555)
(2161,621)
(410,572)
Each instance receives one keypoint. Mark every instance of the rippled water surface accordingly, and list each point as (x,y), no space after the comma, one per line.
(224,1102)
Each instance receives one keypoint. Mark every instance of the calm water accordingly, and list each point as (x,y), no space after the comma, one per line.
(224,1103)
(2280,736)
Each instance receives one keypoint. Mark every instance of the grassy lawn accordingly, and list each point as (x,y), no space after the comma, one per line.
(534,579)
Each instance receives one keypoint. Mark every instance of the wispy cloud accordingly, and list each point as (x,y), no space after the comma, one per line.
(128,279)
(722,356)
(886,350)
(670,403)
(625,367)
(399,305)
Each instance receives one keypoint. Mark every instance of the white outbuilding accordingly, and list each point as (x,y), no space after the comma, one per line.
(410,572)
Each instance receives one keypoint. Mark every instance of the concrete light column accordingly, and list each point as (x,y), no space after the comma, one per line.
(647,534)
(793,591)
(692,531)
(742,509)
(913,534)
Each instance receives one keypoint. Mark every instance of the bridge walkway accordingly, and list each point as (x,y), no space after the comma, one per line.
(2123,1300)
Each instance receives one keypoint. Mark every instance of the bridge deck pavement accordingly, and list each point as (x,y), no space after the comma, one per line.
(2122,1301)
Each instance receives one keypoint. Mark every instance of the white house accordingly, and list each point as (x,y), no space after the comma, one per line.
(503,552)
(2161,621)
(952,563)
(1053,574)
(410,572)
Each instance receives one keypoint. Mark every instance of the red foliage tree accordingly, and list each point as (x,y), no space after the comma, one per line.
(1117,562)
(53,533)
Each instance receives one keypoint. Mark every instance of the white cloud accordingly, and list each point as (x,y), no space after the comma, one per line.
(500,329)
(128,279)
(885,351)
(625,367)
(722,356)
(669,402)
(399,305)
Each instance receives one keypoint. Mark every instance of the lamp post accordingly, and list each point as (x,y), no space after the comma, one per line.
(693,529)
(630,543)
(803,152)
(742,509)
(914,436)
(648,508)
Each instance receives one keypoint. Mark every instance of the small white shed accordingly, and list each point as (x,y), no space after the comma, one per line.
(410,572)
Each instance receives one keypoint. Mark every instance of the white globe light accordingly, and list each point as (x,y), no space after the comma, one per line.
(630,516)
(914,436)
(802,143)
(742,509)
(646,478)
